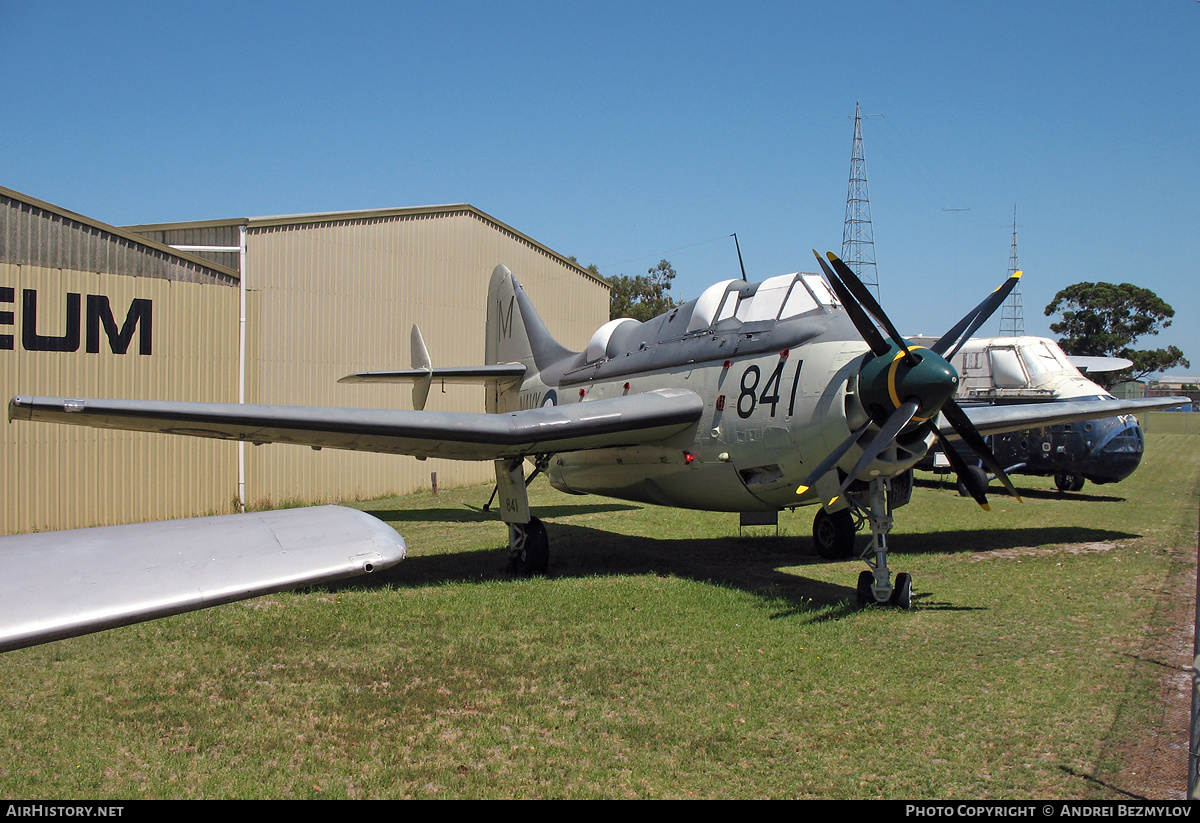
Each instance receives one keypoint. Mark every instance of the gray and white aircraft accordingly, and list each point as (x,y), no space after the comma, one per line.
(1000,370)
(751,398)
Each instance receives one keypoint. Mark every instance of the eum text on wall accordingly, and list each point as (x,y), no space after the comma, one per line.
(82,319)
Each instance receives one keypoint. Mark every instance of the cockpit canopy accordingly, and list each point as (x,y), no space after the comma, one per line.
(776,298)
(728,306)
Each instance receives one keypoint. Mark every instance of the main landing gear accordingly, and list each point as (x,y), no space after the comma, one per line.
(1068,482)
(528,545)
(833,534)
(528,548)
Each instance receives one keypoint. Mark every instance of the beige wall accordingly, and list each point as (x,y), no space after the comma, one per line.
(56,476)
(327,295)
(330,298)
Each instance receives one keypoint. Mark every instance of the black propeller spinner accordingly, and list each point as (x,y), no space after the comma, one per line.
(903,387)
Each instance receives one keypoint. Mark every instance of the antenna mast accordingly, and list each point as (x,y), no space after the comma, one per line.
(1012,319)
(858,242)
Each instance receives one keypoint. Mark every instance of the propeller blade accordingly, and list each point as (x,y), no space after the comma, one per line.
(975,318)
(869,302)
(894,425)
(962,424)
(960,467)
(861,321)
(830,461)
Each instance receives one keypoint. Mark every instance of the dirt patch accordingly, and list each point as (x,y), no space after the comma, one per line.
(1156,766)
(1043,551)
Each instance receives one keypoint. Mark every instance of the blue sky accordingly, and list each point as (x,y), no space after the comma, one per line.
(622,133)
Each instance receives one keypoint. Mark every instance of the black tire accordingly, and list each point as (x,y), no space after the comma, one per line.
(902,591)
(865,596)
(978,478)
(1068,482)
(833,534)
(534,557)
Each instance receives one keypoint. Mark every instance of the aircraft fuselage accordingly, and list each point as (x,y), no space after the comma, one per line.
(777,400)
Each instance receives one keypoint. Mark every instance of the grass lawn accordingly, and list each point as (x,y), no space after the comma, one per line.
(664,656)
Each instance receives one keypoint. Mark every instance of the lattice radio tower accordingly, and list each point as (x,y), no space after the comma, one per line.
(1012,317)
(858,241)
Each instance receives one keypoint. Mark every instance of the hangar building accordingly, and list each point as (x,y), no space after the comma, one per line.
(92,310)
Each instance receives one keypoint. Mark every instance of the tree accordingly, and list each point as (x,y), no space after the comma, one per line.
(644,296)
(592,267)
(1105,320)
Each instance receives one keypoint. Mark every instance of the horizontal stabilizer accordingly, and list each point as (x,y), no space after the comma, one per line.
(616,421)
(997,419)
(67,583)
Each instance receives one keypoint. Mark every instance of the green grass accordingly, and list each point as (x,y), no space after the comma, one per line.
(664,656)
(1171,422)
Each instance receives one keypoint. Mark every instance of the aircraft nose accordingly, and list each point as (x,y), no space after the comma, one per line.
(888,381)
(1117,452)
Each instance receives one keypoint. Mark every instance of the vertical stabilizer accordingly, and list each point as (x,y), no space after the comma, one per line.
(515,333)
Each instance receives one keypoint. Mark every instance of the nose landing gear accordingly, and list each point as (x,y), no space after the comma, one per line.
(833,535)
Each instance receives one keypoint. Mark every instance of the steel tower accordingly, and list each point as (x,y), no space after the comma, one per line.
(1012,317)
(858,242)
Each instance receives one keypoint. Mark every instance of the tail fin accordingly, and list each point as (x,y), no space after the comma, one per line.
(515,333)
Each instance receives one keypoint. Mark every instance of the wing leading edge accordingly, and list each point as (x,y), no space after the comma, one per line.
(998,419)
(617,421)
(68,583)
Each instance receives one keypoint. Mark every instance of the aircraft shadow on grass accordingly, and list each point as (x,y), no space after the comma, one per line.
(759,563)
(1033,494)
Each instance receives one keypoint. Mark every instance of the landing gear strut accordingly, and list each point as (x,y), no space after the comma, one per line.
(876,586)
(528,545)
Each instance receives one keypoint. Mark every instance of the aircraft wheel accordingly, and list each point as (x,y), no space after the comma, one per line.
(532,556)
(978,479)
(902,591)
(1068,482)
(833,534)
(865,596)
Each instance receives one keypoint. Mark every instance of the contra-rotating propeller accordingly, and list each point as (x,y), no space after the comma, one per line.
(903,387)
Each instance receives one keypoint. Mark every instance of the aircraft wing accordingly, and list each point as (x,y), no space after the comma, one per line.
(617,421)
(469,375)
(67,583)
(997,419)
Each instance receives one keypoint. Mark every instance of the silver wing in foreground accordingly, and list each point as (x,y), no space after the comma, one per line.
(67,583)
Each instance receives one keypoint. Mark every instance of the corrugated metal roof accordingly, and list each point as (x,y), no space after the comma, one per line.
(362,215)
(29,235)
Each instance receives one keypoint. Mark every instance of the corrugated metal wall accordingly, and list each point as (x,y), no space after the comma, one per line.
(339,295)
(57,477)
(327,295)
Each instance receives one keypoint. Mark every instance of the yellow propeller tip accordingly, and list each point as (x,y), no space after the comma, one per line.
(832,501)
(987,507)
(802,490)
(1018,273)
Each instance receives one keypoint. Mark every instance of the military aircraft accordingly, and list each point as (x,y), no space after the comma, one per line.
(752,398)
(1008,370)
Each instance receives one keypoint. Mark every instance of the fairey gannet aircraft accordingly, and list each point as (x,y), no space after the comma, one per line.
(751,398)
